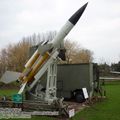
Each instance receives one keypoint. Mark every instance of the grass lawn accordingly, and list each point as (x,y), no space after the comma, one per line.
(109,109)
(8,92)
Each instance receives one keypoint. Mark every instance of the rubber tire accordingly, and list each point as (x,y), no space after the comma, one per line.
(79,98)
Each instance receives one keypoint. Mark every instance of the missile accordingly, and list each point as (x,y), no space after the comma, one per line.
(58,40)
(43,52)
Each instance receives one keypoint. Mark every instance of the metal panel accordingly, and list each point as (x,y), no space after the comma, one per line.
(74,76)
(71,77)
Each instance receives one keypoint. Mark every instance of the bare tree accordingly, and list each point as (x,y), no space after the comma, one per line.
(14,56)
(76,54)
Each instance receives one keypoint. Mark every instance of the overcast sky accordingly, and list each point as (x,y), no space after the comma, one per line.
(97,30)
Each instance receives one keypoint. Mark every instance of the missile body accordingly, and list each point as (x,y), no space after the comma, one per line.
(58,40)
(34,64)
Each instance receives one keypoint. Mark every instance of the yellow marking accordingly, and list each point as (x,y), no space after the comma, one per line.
(32,61)
(29,64)
(36,68)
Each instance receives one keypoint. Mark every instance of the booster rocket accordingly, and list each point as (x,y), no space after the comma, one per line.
(42,54)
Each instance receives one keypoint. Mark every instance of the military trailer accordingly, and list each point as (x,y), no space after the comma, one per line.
(71,78)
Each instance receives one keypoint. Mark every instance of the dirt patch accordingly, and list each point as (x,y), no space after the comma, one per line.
(8,86)
(77,106)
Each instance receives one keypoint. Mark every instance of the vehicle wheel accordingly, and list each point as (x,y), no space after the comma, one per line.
(79,98)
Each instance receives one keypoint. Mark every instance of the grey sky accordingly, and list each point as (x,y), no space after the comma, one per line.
(98,29)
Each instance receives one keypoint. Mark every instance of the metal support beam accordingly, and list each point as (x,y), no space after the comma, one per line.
(50,94)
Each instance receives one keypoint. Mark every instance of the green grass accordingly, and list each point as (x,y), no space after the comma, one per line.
(8,92)
(108,109)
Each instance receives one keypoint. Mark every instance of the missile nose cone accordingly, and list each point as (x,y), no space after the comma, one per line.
(75,17)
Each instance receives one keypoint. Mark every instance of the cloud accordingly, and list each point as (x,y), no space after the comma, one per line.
(98,28)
